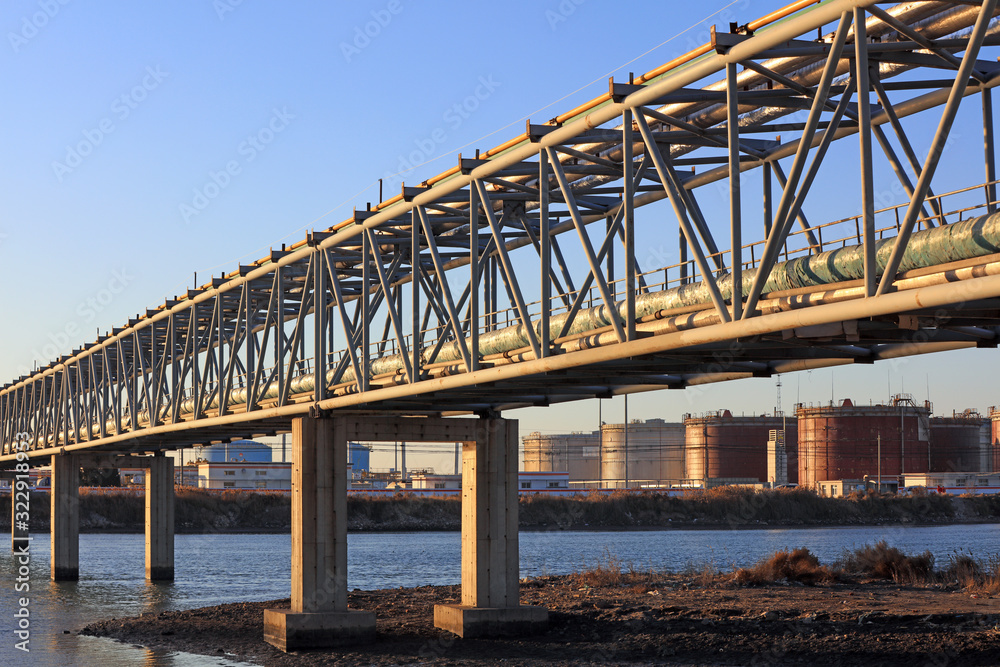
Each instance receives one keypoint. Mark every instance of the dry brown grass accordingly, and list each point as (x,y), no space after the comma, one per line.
(974,575)
(799,565)
(611,571)
(880,561)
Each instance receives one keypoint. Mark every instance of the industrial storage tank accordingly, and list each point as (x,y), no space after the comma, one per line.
(579,454)
(986,446)
(238,450)
(654,451)
(994,453)
(844,441)
(955,442)
(720,446)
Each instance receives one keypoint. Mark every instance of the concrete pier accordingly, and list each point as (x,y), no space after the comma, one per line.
(319,616)
(64,523)
(160,519)
(490,562)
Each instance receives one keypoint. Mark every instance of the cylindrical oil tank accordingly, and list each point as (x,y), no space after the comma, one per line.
(955,442)
(579,454)
(654,451)
(847,441)
(238,450)
(720,446)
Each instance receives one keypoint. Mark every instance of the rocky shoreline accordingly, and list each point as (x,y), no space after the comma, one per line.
(683,619)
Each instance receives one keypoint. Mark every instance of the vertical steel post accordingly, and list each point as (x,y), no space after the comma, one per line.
(250,339)
(473,280)
(545,241)
(683,254)
(735,211)
(768,213)
(365,314)
(990,149)
(628,222)
(415,268)
(861,74)
(319,322)
(609,258)
(279,329)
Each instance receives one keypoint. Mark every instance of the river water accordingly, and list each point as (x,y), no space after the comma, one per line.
(214,569)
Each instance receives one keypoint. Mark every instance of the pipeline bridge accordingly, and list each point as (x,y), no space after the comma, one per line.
(532,273)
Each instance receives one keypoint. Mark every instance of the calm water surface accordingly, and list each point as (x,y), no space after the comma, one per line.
(213,569)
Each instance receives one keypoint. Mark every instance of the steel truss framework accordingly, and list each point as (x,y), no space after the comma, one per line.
(459,295)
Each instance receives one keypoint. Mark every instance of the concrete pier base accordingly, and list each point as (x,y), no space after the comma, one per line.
(490,560)
(64,519)
(319,616)
(289,630)
(467,622)
(160,519)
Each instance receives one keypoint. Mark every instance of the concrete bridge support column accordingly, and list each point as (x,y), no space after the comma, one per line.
(64,523)
(319,616)
(160,519)
(490,562)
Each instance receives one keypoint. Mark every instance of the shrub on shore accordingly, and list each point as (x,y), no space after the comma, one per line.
(872,562)
(880,561)
(799,565)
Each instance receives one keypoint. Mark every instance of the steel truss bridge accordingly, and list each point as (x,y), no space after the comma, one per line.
(520,276)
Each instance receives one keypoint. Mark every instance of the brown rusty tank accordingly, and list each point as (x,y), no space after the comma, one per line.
(579,454)
(721,446)
(843,441)
(655,453)
(955,442)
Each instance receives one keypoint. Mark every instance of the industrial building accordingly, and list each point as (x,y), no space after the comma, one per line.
(956,483)
(239,475)
(721,448)
(642,454)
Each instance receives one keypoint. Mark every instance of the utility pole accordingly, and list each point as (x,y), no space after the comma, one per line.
(879,455)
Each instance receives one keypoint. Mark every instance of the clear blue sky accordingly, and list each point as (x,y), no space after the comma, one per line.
(121,119)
